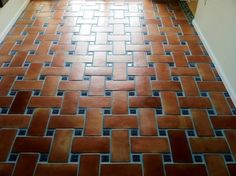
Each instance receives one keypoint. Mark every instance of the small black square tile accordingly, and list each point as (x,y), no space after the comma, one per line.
(78,132)
(180,94)
(55,111)
(134,132)
(132,111)
(108,93)
(162,132)
(47,64)
(18,42)
(60,93)
(192,65)
(84,93)
(212,65)
(226,94)
(12,93)
(146,42)
(22,132)
(153,78)
(86,78)
(187,53)
(106,132)
(74,158)
(36,92)
(219,133)
(159,111)
(228,158)
(234,111)
(171,64)
(13,52)
(149,53)
(64,78)
(43,157)
(167,158)
(183,43)
(13,157)
(197,78)
(4,110)
(198,158)
(6,64)
(204,94)
(29,111)
(50,132)
(218,78)
(155,93)
(191,133)
(151,65)
(107,111)
(19,78)
(42,77)
(132,93)
(31,52)
(24,33)
(41,33)
(131,78)
(184,111)
(68,64)
(108,78)
(105,158)
(81,111)
(175,78)
(26,64)
(51,53)
(71,52)
(211,112)
(136,158)
(37,42)
(168,53)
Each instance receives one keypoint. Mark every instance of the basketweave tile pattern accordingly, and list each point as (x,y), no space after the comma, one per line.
(117,88)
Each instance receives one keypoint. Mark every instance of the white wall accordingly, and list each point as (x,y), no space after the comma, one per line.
(9,14)
(215,22)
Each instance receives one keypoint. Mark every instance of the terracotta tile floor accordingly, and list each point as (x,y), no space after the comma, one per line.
(111,88)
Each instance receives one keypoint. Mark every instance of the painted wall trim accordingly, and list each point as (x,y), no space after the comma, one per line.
(13,20)
(216,63)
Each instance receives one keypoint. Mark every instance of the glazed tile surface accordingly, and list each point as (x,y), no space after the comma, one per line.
(111,88)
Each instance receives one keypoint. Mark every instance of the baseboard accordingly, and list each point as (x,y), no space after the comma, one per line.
(216,63)
(13,20)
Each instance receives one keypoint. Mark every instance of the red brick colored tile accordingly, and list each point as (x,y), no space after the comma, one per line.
(95,102)
(20,121)
(91,144)
(153,165)
(56,169)
(185,169)
(173,122)
(162,71)
(26,165)
(232,169)
(189,86)
(6,169)
(166,85)
(120,85)
(121,169)
(120,149)
(206,72)
(19,104)
(75,85)
(143,86)
(223,122)
(202,123)
(149,145)
(7,137)
(230,136)
(32,144)
(50,86)
(147,122)
(144,102)
(194,102)
(179,147)
(120,102)
(93,123)
(6,84)
(119,72)
(216,165)
(45,102)
(27,85)
(77,71)
(66,121)
(39,122)
(86,163)
(120,121)
(208,145)
(33,71)
(220,103)
(97,85)
(170,103)
(61,146)
(70,103)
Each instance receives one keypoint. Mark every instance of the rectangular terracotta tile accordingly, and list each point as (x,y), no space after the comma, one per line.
(61,146)
(95,102)
(7,138)
(32,144)
(6,168)
(120,149)
(153,165)
(223,122)
(6,84)
(120,71)
(220,103)
(208,145)
(206,72)
(189,86)
(120,102)
(55,169)
(20,103)
(144,102)
(162,71)
(97,85)
(230,136)
(120,121)
(202,123)
(120,85)
(20,121)
(66,121)
(147,122)
(26,164)
(143,86)
(194,102)
(93,123)
(73,85)
(99,59)
(27,85)
(77,71)
(179,146)
(149,145)
(86,163)
(91,145)
(39,122)
(45,102)
(216,165)
(170,103)
(98,71)
(70,103)
(121,169)
(50,86)
(166,85)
